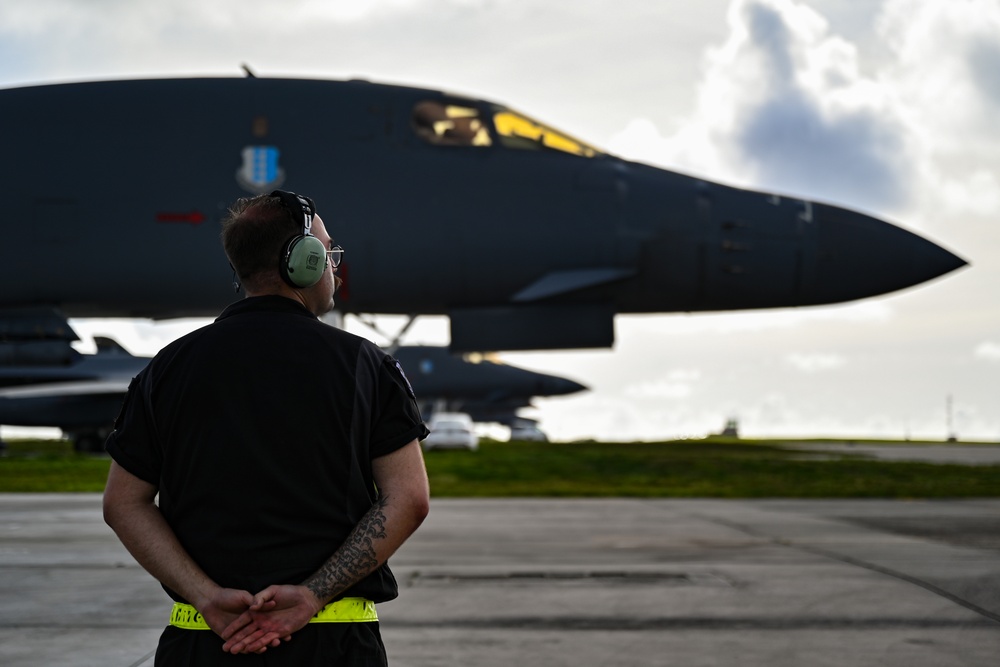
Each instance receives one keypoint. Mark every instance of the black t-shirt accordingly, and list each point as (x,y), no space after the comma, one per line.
(259,431)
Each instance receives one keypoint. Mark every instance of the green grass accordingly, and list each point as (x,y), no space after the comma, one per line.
(50,466)
(711,468)
(716,468)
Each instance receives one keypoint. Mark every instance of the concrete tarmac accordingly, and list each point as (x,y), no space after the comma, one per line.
(692,583)
(970,455)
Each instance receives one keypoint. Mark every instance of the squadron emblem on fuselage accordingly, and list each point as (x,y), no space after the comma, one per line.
(260,171)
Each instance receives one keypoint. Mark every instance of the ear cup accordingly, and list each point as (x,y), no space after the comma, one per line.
(304,261)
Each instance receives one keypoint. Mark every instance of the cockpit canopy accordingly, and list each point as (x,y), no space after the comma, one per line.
(452,124)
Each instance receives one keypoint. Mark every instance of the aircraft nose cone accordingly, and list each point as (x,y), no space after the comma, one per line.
(557,386)
(860,256)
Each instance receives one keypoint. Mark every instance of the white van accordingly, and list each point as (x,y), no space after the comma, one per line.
(451,429)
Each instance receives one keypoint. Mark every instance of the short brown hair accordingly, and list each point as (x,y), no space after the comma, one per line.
(253,235)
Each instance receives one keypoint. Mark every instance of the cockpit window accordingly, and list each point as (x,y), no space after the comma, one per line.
(460,125)
(450,124)
(517,131)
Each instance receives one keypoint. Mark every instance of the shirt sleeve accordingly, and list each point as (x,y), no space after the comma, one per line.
(133,443)
(398,420)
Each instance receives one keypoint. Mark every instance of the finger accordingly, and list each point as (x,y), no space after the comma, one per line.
(273,644)
(238,642)
(256,645)
(265,595)
(239,623)
(260,639)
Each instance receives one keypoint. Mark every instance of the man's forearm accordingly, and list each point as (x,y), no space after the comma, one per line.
(130,511)
(403,503)
(149,539)
(376,537)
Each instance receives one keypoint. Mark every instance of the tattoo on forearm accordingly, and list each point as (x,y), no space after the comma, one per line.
(355,559)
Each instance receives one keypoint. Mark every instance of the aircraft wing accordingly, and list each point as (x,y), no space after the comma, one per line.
(487,390)
(84,410)
(114,387)
(45,382)
(34,336)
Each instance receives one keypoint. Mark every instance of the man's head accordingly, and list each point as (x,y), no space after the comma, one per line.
(256,236)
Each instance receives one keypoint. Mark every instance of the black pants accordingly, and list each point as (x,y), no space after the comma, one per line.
(348,644)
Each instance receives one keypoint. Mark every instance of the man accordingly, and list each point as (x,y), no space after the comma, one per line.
(286,458)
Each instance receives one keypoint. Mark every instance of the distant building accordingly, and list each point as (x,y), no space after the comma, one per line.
(732,428)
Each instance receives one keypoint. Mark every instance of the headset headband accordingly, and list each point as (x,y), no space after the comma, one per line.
(301,207)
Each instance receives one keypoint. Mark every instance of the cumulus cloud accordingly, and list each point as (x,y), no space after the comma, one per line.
(943,76)
(976,193)
(814,362)
(988,350)
(676,384)
(784,106)
(984,65)
(944,69)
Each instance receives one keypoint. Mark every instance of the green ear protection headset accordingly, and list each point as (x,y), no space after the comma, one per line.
(303,259)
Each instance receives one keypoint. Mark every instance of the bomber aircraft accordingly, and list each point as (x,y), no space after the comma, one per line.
(486,389)
(525,237)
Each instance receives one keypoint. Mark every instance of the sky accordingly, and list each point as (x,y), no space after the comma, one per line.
(889,107)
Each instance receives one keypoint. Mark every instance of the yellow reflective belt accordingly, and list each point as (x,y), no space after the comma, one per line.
(347,610)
